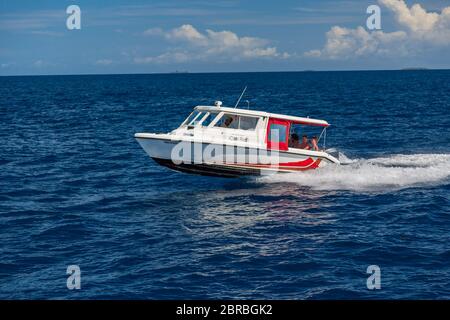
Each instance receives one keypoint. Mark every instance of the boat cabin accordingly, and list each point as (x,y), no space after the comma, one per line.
(247,127)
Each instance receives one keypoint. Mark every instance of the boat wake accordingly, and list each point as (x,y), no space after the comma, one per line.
(376,174)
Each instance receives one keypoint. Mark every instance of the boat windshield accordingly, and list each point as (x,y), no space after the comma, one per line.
(211,116)
(198,117)
(193,118)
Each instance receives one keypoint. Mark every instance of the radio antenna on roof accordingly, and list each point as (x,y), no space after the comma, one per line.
(239,100)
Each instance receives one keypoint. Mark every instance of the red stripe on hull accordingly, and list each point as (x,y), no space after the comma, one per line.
(308,164)
(303,163)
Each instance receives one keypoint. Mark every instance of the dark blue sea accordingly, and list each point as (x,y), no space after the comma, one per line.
(77,189)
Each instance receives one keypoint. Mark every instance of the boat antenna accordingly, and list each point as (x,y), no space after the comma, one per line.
(239,100)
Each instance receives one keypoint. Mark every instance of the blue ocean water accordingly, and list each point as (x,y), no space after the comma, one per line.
(77,189)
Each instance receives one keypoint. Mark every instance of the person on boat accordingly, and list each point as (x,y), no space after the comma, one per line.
(294,141)
(305,145)
(314,143)
(227,122)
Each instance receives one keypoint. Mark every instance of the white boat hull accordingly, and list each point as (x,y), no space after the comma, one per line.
(228,160)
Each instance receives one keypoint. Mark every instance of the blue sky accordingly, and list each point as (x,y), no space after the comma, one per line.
(119,36)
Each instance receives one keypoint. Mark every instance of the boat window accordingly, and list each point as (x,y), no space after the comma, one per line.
(247,123)
(304,130)
(277,135)
(231,121)
(277,132)
(227,121)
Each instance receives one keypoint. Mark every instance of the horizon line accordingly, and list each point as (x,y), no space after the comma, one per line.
(220,72)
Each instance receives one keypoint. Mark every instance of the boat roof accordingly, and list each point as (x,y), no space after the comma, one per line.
(300,120)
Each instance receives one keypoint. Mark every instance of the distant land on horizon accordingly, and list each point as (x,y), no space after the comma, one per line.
(416,68)
(212,72)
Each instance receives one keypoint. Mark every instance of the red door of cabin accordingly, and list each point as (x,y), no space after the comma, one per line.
(277,134)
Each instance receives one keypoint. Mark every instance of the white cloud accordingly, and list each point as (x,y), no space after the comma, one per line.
(345,43)
(39,63)
(415,18)
(104,62)
(167,57)
(187,33)
(218,45)
(419,28)
(422,25)
(33,20)
(44,64)
(47,33)
(153,32)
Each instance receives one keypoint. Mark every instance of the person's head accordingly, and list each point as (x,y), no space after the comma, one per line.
(294,137)
(305,138)
(314,138)
(228,121)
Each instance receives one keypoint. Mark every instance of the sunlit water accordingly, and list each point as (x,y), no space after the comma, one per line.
(76,188)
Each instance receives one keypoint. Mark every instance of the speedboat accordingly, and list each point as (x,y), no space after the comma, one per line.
(232,142)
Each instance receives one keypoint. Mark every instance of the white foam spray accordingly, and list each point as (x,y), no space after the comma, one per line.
(376,174)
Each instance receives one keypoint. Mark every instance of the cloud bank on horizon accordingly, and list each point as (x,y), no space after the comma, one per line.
(420,30)
(220,45)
